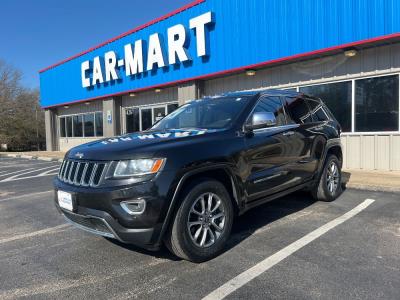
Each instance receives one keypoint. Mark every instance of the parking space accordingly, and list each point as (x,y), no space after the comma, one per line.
(358,257)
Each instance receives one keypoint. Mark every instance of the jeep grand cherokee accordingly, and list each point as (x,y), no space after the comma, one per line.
(183,181)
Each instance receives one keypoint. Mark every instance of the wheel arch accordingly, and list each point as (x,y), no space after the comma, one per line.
(333,146)
(221,173)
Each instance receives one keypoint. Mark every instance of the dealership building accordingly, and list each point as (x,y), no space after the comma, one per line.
(346,52)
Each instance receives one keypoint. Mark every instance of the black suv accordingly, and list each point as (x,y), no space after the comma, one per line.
(183,181)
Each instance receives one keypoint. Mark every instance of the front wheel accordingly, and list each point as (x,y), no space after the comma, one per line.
(330,183)
(202,223)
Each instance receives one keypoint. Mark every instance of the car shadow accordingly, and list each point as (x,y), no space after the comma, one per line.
(246,225)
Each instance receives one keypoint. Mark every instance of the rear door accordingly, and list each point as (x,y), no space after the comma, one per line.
(305,137)
(270,152)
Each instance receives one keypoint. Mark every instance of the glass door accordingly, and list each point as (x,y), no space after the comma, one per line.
(132,120)
(147,116)
(158,113)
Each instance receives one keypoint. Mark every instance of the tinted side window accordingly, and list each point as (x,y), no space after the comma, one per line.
(298,110)
(274,105)
(317,111)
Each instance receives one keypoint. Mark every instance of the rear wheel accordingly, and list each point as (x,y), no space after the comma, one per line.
(202,223)
(330,183)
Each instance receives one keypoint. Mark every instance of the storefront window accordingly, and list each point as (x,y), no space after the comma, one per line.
(337,96)
(62,127)
(78,126)
(377,104)
(146,118)
(69,126)
(99,123)
(88,121)
(172,107)
(158,113)
(132,120)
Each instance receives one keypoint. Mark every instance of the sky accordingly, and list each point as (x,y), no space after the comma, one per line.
(38,33)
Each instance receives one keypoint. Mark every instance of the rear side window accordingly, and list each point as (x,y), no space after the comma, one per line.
(298,110)
(318,111)
(274,105)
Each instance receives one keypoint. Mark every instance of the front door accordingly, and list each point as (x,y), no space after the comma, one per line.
(270,152)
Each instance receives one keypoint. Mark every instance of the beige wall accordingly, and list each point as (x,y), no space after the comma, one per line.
(371,151)
(67,143)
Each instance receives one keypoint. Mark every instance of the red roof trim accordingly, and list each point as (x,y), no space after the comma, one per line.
(235,70)
(177,11)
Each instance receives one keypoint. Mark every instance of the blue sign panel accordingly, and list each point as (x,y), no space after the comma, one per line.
(210,37)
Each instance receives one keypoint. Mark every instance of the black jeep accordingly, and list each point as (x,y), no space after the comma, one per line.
(183,181)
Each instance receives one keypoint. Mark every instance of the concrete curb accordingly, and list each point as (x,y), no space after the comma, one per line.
(372,188)
(32,157)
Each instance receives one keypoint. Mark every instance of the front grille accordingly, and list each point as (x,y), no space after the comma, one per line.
(89,223)
(82,173)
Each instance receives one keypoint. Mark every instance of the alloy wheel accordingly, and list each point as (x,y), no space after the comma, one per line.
(206,220)
(332,178)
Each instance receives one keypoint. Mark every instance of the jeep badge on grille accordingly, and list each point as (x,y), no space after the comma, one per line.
(79,155)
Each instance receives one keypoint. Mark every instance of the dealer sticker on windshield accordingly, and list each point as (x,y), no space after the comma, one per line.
(65,200)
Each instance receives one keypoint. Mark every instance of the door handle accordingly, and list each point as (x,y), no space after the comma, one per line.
(288,133)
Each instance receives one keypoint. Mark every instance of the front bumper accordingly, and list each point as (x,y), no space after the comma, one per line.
(98,210)
(101,223)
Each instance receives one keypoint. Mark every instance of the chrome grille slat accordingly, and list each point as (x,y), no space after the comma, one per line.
(93,173)
(61,169)
(82,173)
(66,170)
(72,172)
(76,173)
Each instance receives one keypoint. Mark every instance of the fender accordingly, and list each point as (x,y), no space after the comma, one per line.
(329,144)
(181,183)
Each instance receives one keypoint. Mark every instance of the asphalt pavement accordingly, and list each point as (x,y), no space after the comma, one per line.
(290,248)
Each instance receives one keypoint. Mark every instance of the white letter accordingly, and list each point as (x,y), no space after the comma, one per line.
(110,64)
(147,136)
(85,67)
(155,55)
(177,46)
(199,23)
(134,62)
(97,73)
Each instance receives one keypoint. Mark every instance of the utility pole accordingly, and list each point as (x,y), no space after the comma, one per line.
(37,130)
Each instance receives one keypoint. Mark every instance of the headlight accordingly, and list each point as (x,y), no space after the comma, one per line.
(137,167)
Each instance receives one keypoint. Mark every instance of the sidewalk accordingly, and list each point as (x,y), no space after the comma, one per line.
(385,181)
(357,179)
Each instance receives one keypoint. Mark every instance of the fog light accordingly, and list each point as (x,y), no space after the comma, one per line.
(134,207)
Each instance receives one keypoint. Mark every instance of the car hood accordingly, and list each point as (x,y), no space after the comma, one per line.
(141,144)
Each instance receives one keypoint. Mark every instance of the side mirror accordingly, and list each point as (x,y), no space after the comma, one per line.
(261,120)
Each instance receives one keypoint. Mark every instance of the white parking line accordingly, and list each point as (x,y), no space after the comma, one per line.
(15,172)
(29,177)
(49,171)
(32,234)
(35,170)
(248,275)
(26,196)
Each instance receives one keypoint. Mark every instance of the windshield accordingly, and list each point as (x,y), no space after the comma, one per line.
(209,113)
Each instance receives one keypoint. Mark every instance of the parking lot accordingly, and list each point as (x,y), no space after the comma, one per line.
(353,251)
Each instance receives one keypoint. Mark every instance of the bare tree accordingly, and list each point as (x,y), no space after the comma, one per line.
(21,119)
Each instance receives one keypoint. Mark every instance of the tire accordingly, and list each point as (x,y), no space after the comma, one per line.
(185,237)
(329,187)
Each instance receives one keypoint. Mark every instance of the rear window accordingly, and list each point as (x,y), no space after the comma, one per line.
(318,111)
(298,110)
